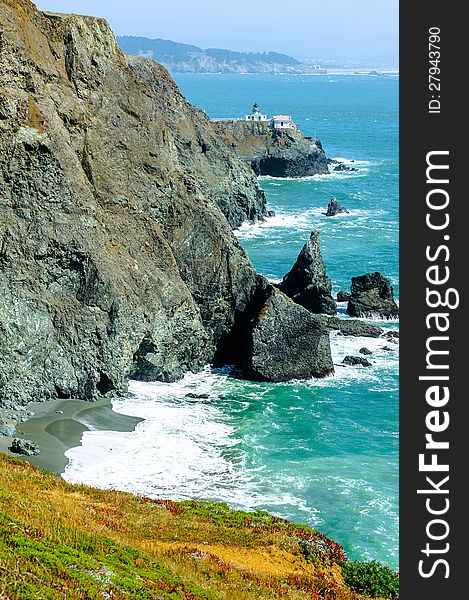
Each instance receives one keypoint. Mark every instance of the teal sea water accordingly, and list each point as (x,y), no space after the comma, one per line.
(318,452)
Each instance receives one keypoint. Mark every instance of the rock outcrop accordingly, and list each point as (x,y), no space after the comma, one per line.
(307,282)
(351,327)
(334,208)
(278,153)
(117,199)
(372,296)
(276,339)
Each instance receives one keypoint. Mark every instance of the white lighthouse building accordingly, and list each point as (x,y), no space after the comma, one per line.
(256,115)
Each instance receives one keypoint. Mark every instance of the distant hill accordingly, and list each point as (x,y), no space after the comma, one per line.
(185,58)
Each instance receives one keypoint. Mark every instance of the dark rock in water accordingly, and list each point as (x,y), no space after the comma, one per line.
(387,348)
(392,334)
(356,361)
(351,327)
(365,351)
(334,208)
(25,447)
(344,167)
(372,296)
(287,342)
(343,296)
(197,396)
(307,283)
(275,152)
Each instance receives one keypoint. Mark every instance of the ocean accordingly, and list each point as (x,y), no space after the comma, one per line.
(320,452)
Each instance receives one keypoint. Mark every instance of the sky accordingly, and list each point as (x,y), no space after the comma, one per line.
(346,29)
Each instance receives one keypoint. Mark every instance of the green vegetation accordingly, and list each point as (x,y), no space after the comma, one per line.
(371,578)
(59,540)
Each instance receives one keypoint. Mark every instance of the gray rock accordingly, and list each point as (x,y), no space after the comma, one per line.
(25,447)
(278,153)
(334,208)
(307,282)
(365,351)
(351,327)
(117,257)
(372,296)
(7,429)
(354,361)
(286,342)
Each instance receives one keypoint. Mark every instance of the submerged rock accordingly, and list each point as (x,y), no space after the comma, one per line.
(334,208)
(372,296)
(307,282)
(25,447)
(365,351)
(354,361)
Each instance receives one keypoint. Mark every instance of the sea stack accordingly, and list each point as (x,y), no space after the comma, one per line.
(307,282)
(372,296)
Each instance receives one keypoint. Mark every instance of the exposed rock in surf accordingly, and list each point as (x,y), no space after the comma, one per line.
(344,167)
(334,208)
(354,361)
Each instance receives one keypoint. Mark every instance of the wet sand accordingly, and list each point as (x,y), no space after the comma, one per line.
(58,425)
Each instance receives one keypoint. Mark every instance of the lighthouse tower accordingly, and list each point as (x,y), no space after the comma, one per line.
(256,114)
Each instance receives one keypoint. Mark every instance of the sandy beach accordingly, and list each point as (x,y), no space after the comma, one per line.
(58,425)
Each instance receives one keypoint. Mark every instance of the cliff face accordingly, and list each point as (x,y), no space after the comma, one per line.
(278,153)
(115,258)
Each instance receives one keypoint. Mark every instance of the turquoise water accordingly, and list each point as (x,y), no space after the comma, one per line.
(318,452)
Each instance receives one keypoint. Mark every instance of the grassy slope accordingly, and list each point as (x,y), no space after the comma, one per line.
(66,541)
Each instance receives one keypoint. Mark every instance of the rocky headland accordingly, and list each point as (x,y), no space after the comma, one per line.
(118,199)
(275,152)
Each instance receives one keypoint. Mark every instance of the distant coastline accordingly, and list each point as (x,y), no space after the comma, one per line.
(186,58)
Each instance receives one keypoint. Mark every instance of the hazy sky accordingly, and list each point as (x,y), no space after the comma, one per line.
(366,29)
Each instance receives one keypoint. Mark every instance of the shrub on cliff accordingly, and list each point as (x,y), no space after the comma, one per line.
(371,578)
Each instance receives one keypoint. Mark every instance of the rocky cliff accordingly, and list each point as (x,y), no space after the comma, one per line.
(278,153)
(117,199)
